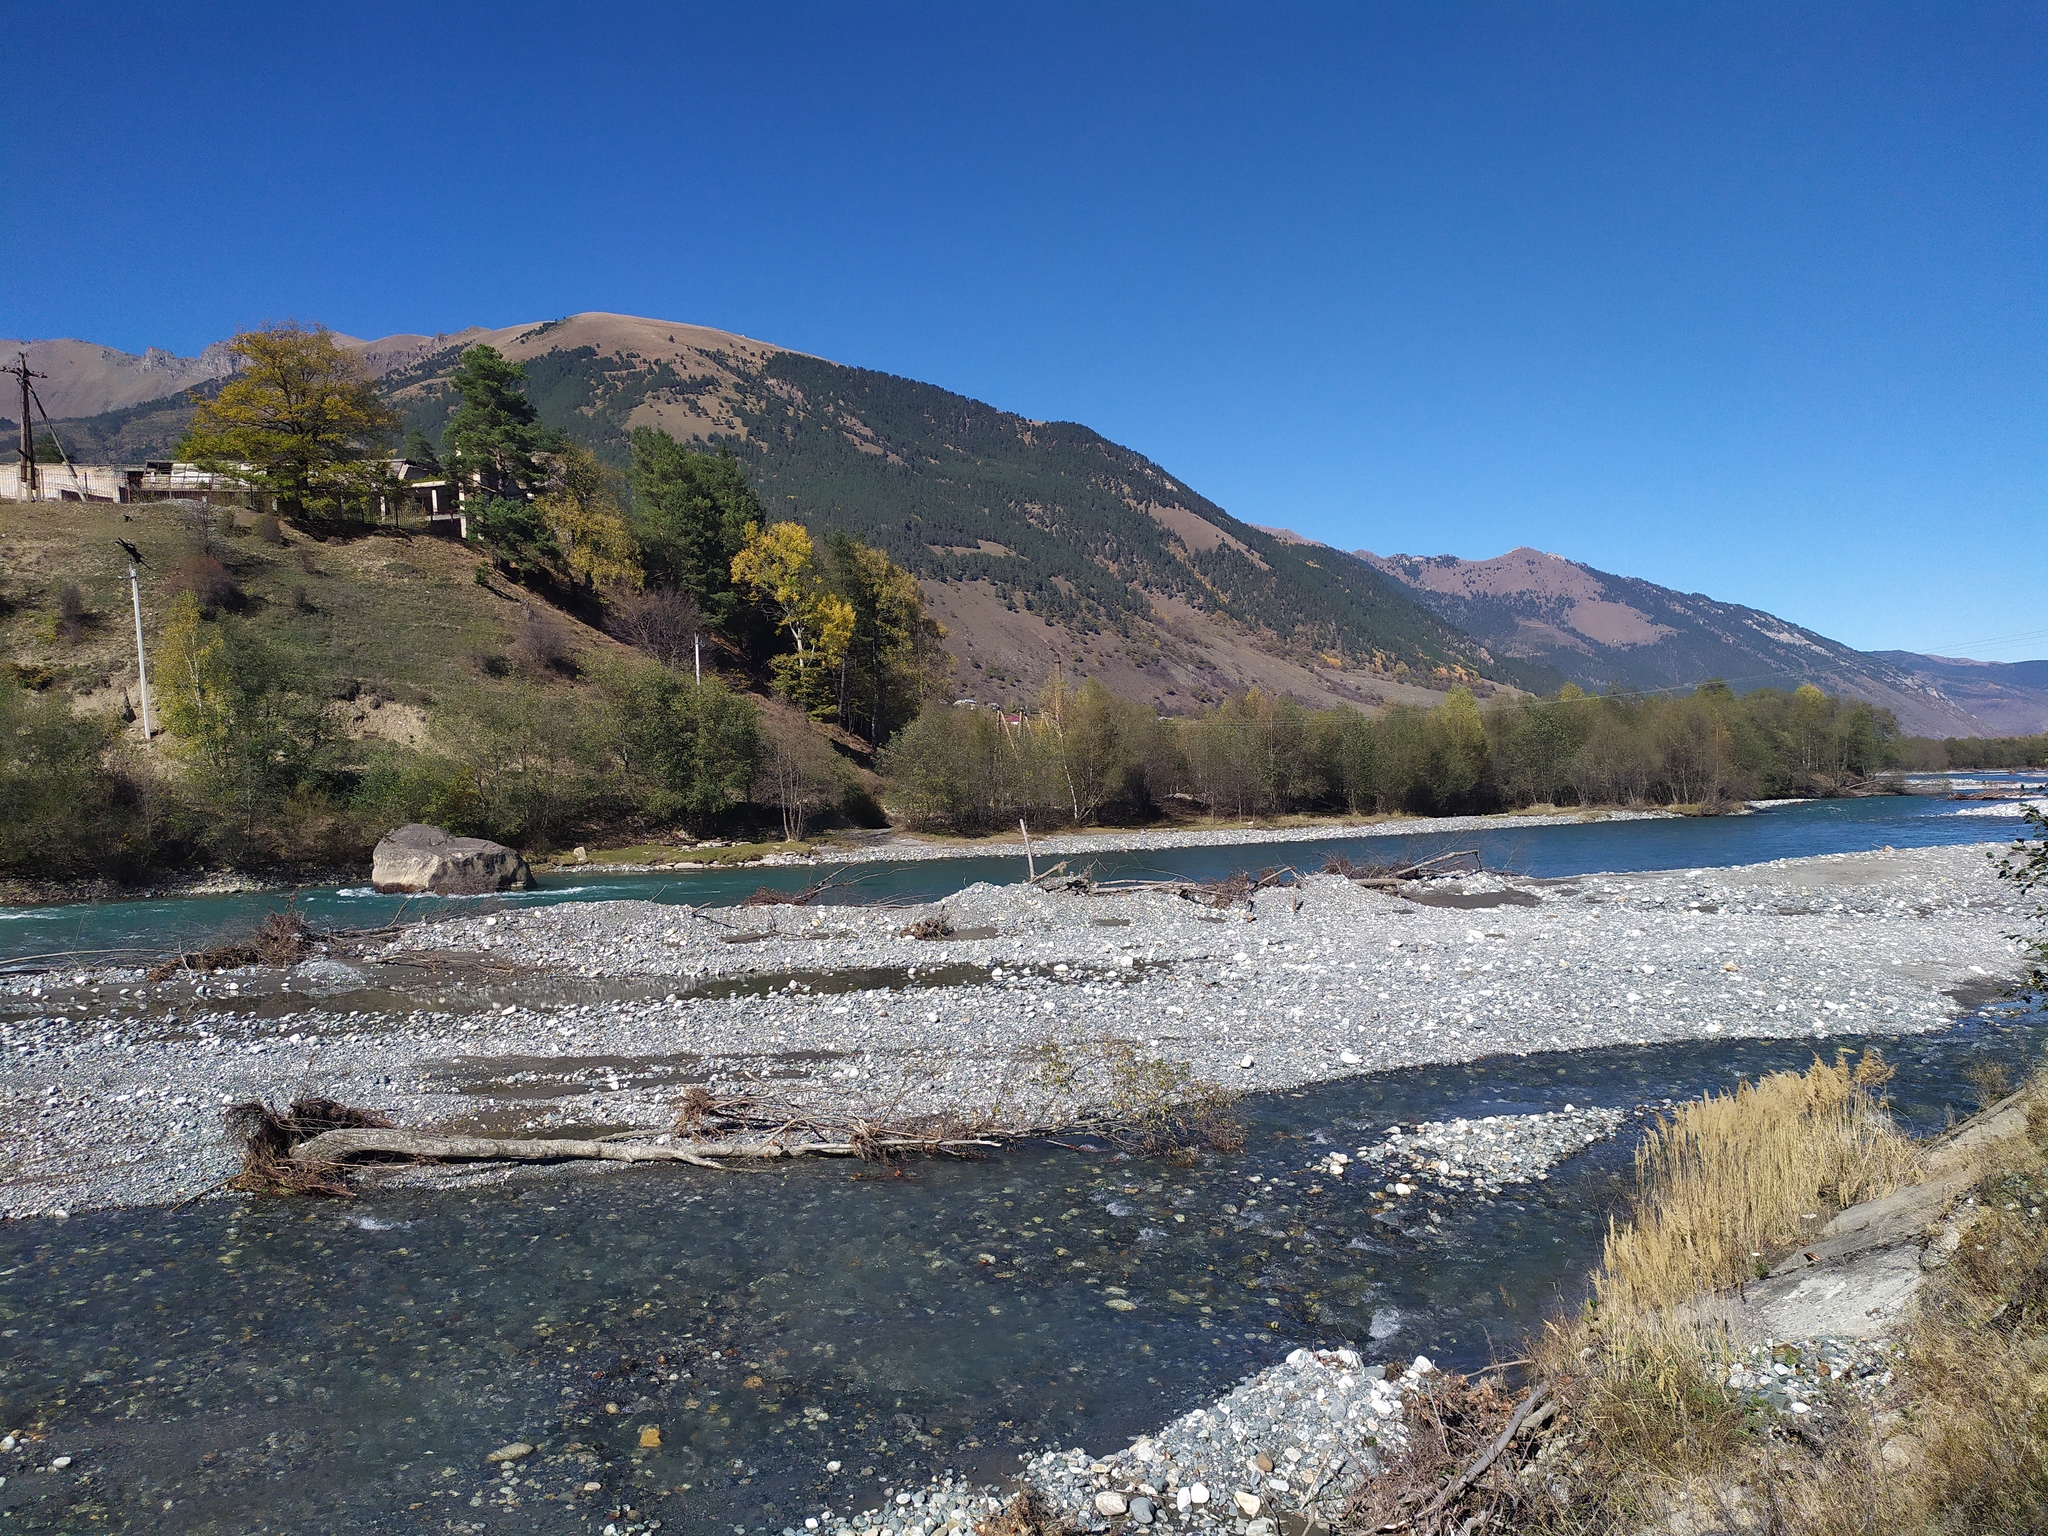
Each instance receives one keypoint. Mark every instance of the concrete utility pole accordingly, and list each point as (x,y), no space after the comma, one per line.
(697,645)
(141,661)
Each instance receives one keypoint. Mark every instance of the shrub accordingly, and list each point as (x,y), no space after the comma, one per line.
(209,582)
(72,619)
(269,529)
(664,622)
(72,808)
(540,648)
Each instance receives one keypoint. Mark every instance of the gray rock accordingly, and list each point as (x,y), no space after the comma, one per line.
(1143,1510)
(422,858)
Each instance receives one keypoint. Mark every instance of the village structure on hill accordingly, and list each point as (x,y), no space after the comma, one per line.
(417,489)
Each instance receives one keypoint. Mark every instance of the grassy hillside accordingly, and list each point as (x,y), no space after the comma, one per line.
(394,618)
(1124,571)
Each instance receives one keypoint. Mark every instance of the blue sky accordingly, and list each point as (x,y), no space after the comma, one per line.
(1746,300)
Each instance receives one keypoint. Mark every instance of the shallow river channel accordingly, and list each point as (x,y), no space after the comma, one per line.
(731,1352)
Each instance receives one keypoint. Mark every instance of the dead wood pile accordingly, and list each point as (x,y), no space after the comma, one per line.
(1469,1464)
(307,1148)
(1392,876)
(765,896)
(282,938)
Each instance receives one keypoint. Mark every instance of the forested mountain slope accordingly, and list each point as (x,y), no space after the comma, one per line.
(1039,543)
(1599,630)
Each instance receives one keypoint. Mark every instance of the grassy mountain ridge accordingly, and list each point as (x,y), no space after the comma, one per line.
(1042,544)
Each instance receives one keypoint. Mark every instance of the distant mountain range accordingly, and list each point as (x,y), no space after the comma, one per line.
(1043,544)
(1602,630)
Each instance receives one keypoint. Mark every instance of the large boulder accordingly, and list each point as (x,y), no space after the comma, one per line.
(419,858)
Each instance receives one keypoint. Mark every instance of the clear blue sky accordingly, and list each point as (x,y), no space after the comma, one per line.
(1744,299)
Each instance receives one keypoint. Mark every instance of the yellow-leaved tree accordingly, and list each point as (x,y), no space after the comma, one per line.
(583,511)
(777,566)
(301,420)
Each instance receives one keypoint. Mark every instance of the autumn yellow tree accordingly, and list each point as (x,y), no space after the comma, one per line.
(300,419)
(777,566)
(583,511)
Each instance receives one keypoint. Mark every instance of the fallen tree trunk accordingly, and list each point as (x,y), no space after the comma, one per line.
(331,1148)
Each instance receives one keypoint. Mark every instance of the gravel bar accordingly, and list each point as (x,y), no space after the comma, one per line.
(601,1014)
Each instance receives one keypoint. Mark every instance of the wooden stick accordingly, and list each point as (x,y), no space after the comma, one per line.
(1486,1458)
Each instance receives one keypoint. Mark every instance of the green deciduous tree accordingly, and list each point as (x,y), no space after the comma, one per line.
(300,420)
(687,750)
(239,707)
(895,654)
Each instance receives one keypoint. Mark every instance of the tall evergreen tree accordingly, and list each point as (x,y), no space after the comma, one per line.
(495,438)
(691,511)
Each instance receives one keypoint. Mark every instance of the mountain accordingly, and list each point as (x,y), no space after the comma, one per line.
(82,378)
(1599,629)
(2009,697)
(1039,544)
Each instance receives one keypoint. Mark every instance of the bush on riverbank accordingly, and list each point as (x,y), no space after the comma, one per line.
(1086,756)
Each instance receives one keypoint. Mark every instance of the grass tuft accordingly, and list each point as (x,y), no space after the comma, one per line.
(1727,1184)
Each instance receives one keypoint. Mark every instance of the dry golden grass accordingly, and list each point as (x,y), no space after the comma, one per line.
(1723,1187)
(1728,1183)
(1960,1446)
(1964,1446)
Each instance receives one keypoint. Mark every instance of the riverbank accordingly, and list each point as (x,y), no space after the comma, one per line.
(833,849)
(600,1015)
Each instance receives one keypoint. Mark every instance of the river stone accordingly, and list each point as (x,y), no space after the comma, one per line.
(512,1452)
(1110,1502)
(1247,1503)
(421,858)
(1143,1510)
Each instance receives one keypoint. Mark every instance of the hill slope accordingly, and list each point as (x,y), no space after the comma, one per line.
(1039,544)
(2009,697)
(1599,629)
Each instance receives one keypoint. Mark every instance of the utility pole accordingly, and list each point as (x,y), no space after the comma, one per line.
(141,661)
(31,482)
(697,646)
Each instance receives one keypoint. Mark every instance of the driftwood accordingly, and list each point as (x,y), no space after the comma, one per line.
(766,896)
(332,1148)
(1476,1468)
(282,938)
(1388,877)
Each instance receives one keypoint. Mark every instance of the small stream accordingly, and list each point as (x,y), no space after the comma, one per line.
(700,1348)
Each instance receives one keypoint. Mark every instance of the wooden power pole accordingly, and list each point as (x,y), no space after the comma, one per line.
(31,482)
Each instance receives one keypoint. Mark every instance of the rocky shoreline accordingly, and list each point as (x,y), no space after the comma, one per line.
(888,847)
(602,1014)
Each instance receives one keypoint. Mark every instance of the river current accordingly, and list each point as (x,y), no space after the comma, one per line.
(731,1352)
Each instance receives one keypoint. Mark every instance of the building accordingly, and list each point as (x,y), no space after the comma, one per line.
(157,480)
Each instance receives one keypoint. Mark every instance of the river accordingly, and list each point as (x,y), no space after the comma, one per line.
(110,929)
(732,1352)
